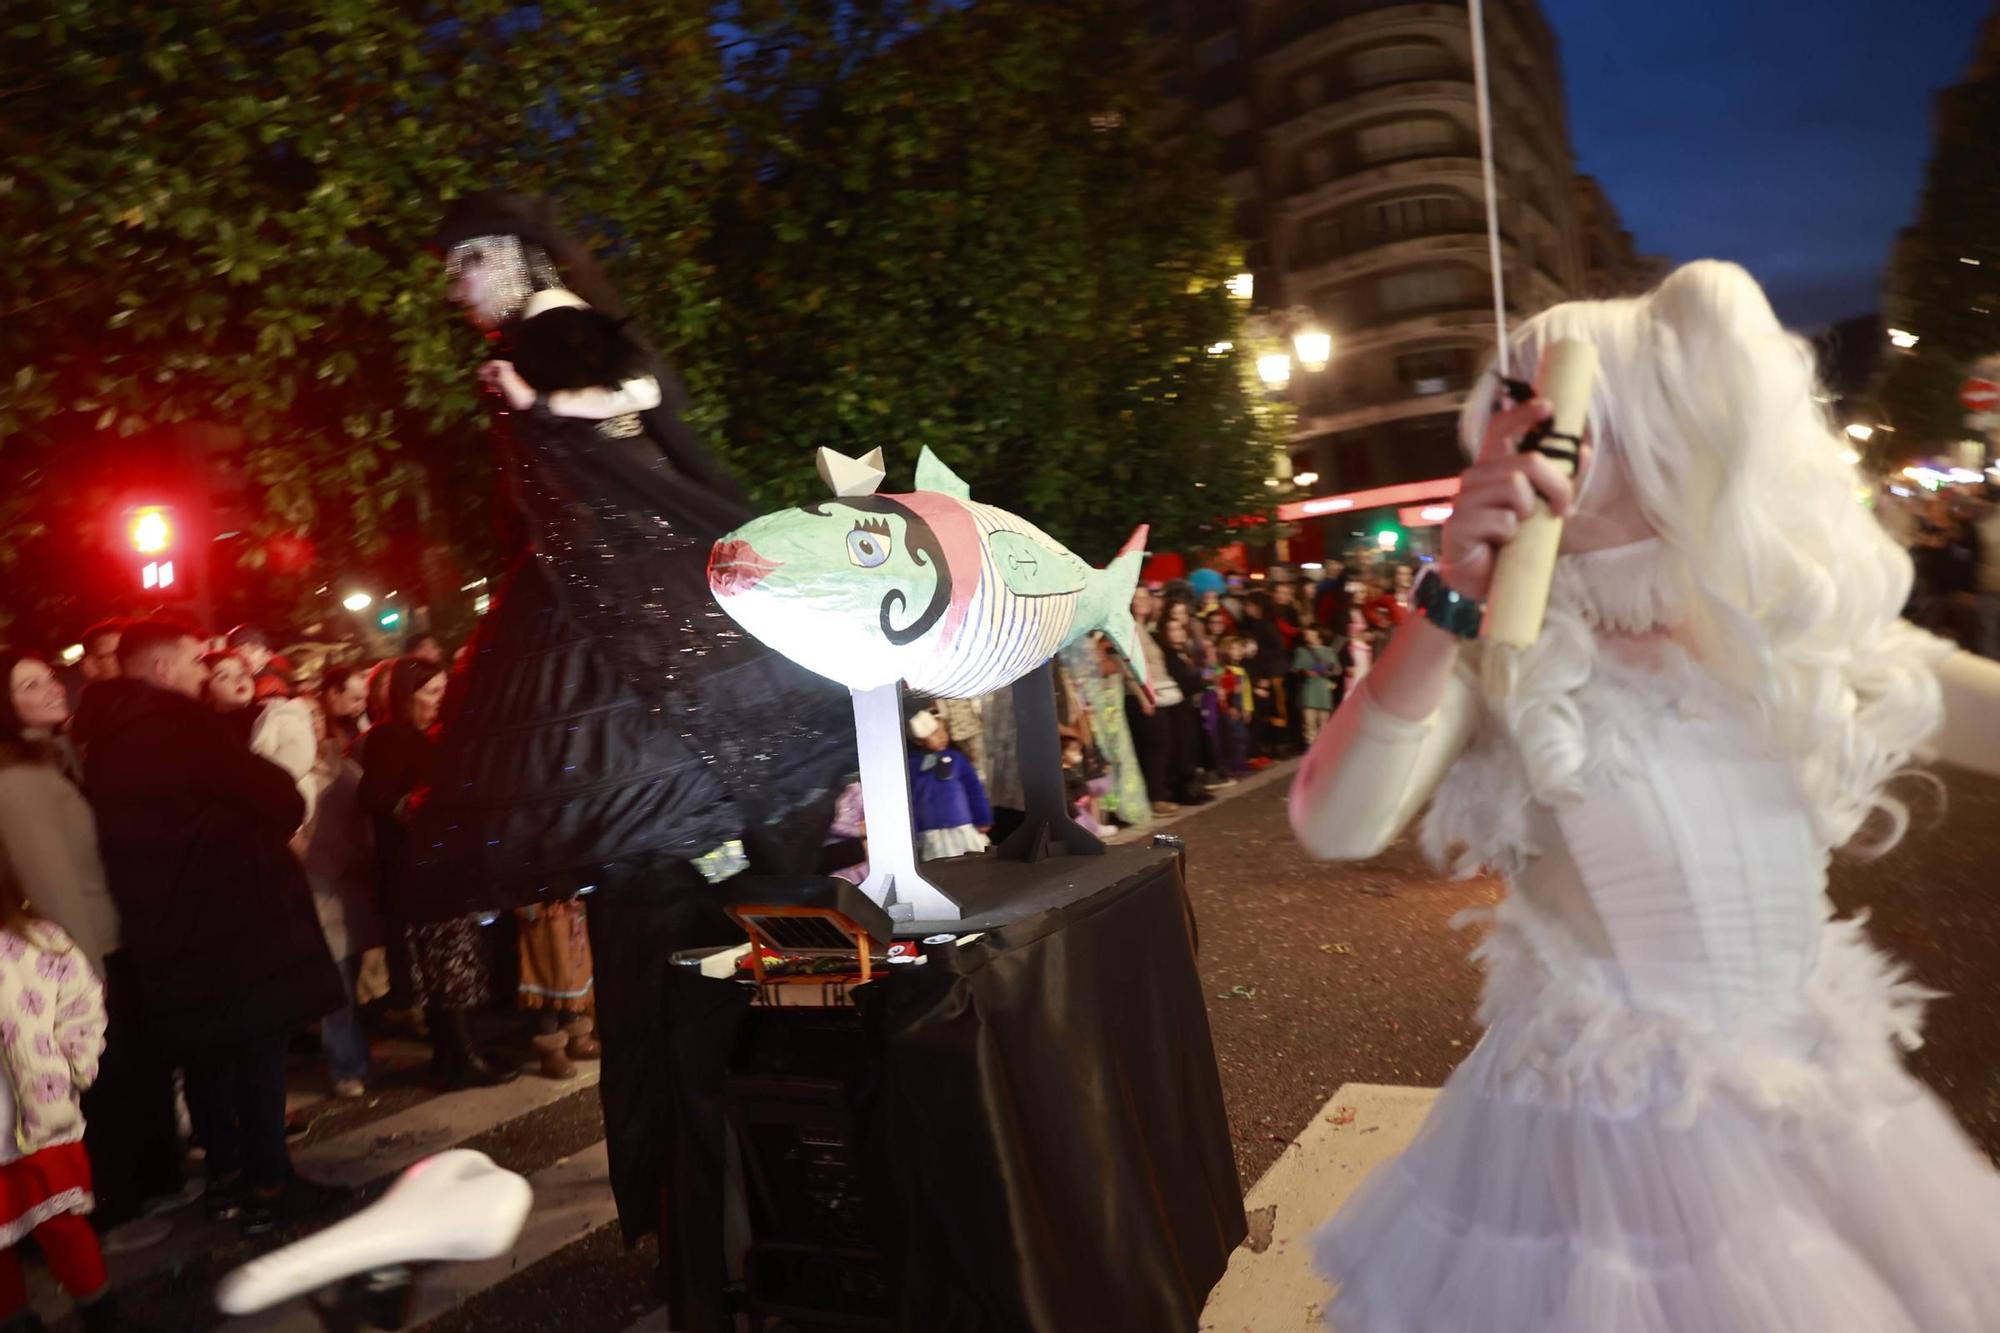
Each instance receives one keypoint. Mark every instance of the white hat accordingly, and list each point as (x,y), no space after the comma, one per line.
(924,725)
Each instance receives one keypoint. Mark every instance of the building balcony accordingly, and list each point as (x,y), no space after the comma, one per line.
(1467,241)
(1324,27)
(1354,416)
(1344,189)
(1461,318)
(1338,111)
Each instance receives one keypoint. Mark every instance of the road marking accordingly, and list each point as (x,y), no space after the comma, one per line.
(387,1146)
(1277,1290)
(572,1199)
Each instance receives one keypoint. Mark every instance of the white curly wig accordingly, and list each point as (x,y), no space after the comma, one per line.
(1704,407)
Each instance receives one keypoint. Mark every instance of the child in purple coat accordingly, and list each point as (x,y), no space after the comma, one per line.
(947,800)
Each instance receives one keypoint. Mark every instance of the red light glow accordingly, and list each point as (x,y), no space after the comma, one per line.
(152,531)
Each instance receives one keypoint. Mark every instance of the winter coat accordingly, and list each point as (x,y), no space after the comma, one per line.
(217,918)
(49,838)
(51,1032)
(284,734)
(945,791)
(339,858)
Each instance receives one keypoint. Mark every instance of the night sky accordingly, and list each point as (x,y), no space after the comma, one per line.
(1788,135)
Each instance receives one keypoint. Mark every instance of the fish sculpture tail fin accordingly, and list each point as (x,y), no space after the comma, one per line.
(1111,610)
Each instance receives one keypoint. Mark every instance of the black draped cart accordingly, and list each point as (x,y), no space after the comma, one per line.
(1023,1133)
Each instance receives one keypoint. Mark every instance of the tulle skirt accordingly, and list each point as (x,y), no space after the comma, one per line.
(1595,1167)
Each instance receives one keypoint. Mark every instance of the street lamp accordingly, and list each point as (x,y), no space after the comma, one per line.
(1275,369)
(1902,338)
(357,601)
(1243,286)
(1314,347)
(1305,479)
(1857,431)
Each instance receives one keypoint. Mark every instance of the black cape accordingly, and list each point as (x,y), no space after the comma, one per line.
(609,710)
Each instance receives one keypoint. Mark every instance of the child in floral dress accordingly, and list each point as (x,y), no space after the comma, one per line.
(51,1035)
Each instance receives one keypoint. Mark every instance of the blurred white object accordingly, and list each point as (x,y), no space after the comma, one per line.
(457,1205)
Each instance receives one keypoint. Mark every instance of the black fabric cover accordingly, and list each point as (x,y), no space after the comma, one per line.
(215,913)
(1045,1113)
(609,710)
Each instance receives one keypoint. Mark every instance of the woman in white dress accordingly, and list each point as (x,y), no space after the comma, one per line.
(1688,1113)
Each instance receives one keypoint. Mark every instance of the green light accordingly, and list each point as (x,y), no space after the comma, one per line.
(390,619)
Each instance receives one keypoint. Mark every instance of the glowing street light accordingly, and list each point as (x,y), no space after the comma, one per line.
(1314,348)
(1857,431)
(1242,286)
(1305,479)
(357,601)
(1902,338)
(1275,369)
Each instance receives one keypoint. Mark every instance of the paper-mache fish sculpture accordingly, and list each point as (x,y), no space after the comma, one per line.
(951,597)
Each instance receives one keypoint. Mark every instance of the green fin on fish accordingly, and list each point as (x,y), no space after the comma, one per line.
(1106,604)
(1031,569)
(933,475)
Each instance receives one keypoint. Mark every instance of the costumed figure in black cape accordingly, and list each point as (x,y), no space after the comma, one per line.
(611,730)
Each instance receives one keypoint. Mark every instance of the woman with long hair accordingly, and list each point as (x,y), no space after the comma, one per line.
(1687,1114)
(447,961)
(48,844)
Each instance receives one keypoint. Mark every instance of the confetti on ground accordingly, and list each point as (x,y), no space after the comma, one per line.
(1239,993)
(1336,948)
(1342,1115)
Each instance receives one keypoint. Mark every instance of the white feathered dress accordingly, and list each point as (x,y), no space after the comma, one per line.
(1688,1113)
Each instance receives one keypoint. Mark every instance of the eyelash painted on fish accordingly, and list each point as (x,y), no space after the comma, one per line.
(879,526)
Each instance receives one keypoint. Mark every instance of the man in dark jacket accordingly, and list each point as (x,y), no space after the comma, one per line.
(217,915)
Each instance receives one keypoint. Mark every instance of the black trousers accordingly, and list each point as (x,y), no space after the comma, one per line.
(1152,740)
(236,1098)
(1183,753)
(131,1132)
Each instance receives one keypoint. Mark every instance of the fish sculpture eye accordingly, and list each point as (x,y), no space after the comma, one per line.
(868,545)
(923,549)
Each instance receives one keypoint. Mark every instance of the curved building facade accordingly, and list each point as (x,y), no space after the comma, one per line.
(1351,144)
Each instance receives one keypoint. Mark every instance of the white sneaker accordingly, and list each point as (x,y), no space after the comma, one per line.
(350,1090)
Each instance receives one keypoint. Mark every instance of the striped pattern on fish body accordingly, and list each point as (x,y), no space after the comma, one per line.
(1004,635)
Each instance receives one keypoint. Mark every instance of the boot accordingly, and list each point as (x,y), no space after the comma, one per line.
(458,1063)
(582,1044)
(555,1059)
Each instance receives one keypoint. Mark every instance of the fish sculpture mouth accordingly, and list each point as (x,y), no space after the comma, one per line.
(734,568)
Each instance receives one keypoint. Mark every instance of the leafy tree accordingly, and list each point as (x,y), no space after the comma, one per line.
(970,238)
(1952,305)
(885,222)
(217,212)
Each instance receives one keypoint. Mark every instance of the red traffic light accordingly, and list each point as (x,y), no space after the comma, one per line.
(151,530)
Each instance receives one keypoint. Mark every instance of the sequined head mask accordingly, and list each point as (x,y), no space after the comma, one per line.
(493,276)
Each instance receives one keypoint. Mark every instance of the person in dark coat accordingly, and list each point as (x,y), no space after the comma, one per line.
(447,965)
(215,910)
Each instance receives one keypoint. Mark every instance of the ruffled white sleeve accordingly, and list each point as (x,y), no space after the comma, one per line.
(1370,772)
